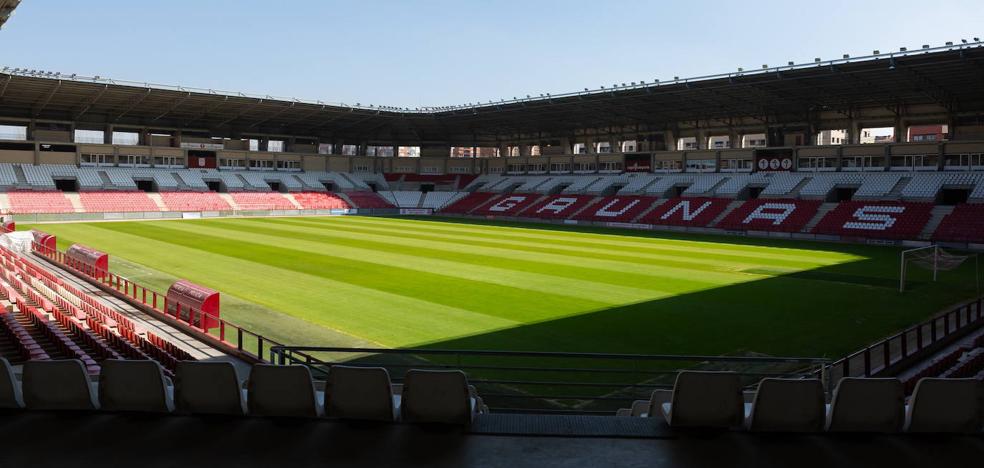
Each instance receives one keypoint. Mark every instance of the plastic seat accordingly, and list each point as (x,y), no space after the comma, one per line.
(705,400)
(946,405)
(58,385)
(134,385)
(360,393)
(867,405)
(208,388)
(10,391)
(282,391)
(787,405)
(442,397)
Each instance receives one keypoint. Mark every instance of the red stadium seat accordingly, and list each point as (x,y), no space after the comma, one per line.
(468,203)
(194,201)
(320,201)
(964,224)
(262,201)
(558,206)
(694,212)
(508,205)
(779,215)
(617,209)
(878,219)
(27,202)
(368,200)
(116,201)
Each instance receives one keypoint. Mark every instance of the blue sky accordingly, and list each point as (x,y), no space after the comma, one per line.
(415,53)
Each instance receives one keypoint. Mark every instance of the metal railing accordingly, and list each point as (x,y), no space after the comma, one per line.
(551,382)
(164,215)
(895,352)
(223,334)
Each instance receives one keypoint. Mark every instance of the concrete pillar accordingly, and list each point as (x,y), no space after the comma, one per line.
(670,140)
(108,135)
(900,130)
(524,149)
(734,139)
(702,139)
(589,146)
(503,151)
(568,147)
(396,151)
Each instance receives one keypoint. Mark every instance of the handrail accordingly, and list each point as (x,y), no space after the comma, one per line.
(227,335)
(889,354)
(550,381)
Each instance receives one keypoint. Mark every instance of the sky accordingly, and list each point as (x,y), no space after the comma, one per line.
(446,52)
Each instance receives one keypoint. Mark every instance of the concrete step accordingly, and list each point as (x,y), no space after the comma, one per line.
(76,200)
(290,197)
(156,198)
(649,210)
(938,213)
(821,212)
(727,210)
(232,202)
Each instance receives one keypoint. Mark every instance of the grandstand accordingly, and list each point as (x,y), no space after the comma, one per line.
(657,271)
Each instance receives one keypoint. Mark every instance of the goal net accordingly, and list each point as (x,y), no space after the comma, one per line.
(932,258)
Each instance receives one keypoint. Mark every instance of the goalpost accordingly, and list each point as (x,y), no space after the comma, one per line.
(931,257)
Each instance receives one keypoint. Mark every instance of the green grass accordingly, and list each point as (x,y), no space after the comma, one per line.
(475,285)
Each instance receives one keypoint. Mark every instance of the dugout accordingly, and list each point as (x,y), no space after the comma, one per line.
(184,295)
(45,240)
(91,261)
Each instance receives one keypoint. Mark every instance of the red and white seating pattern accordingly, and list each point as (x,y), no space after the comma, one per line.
(508,205)
(320,201)
(617,209)
(468,203)
(368,200)
(693,212)
(778,215)
(262,201)
(39,202)
(964,224)
(194,201)
(884,220)
(558,206)
(116,201)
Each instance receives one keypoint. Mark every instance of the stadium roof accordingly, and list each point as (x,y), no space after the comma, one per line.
(7,9)
(948,78)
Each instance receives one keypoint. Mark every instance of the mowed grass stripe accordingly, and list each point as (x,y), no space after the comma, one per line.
(614,240)
(379,316)
(378,275)
(520,249)
(657,277)
(423,269)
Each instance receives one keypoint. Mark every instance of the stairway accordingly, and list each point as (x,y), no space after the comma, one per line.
(727,210)
(938,213)
(649,210)
(76,200)
(156,198)
(290,197)
(896,192)
(232,202)
(594,201)
(345,197)
(539,200)
(821,212)
(21,178)
(794,193)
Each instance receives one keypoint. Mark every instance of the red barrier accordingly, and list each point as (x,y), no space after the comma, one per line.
(8,225)
(184,296)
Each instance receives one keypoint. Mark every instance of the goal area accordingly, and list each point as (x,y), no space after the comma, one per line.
(931,257)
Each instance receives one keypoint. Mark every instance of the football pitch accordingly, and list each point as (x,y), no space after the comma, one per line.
(459,284)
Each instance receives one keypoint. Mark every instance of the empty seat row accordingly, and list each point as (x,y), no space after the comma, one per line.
(716,400)
(213,388)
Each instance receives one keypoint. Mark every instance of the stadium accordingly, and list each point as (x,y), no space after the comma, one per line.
(774,263)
